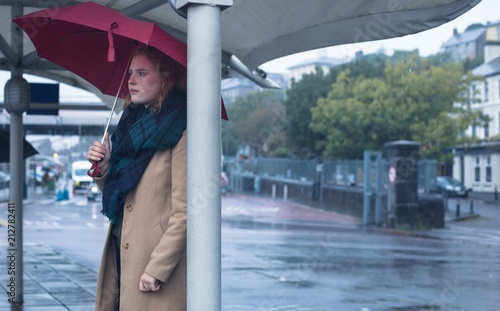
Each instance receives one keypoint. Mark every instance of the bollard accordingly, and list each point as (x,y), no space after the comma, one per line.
(285,193)
(458,209)
(445,201)
(274,192)
(471,207)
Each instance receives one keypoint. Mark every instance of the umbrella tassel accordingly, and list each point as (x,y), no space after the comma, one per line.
(111,46)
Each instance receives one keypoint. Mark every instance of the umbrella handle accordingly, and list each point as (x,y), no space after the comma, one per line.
(93,170)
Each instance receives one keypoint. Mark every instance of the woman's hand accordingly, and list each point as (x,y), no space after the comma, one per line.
(100,153)
(148,283)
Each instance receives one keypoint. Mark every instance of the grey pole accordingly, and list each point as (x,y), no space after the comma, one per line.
(203,158)
(16,202)
(366,187)
(378,197)
(16,101)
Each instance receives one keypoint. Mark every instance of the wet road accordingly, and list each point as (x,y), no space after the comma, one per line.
(346,268)
(279,256)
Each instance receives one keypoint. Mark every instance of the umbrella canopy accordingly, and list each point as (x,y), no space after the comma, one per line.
(96,42)
(28,149)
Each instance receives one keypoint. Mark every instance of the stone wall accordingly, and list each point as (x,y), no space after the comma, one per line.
(341,199)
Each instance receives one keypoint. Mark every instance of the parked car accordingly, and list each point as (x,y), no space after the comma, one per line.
(4,180)
(93,192)
(451,187)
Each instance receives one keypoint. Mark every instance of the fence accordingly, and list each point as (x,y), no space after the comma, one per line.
(329,172)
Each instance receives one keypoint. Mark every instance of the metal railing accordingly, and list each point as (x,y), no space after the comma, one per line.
(329,172)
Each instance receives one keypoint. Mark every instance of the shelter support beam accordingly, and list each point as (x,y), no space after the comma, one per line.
(204,157)
(235,64)
(7,51)
(369,190)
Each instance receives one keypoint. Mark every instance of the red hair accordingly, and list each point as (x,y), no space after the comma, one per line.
(172,74)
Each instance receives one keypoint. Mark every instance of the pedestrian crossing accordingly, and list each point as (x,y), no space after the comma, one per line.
(44,214)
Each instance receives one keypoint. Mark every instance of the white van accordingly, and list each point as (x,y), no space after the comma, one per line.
(79,175)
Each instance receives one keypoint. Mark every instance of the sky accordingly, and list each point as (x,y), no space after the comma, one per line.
(428,42)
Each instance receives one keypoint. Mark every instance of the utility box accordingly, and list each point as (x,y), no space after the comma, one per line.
(402,158)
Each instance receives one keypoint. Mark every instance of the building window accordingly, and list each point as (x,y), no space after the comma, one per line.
(488,169)
(477,170)
(487,130)
(474,134)
(486,91)
(473,94)
(498,88)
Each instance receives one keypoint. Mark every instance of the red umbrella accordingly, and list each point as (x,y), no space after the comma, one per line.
(96,42)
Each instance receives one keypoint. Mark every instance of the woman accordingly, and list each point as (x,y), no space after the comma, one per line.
(143,180)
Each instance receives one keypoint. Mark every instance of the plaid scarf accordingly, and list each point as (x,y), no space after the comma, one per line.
(140,133)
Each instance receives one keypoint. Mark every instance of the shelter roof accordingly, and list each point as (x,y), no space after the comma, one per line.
(257,31)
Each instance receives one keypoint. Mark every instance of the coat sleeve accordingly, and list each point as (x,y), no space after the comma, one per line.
(100,181)
(172,246)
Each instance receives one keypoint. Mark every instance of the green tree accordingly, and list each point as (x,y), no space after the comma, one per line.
(414,101)
(301,97)
(471,63)
(256,120)
(354,117)
(304,95)
(368,66)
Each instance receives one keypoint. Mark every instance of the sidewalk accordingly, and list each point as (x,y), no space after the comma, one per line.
(54,282)
(474,212)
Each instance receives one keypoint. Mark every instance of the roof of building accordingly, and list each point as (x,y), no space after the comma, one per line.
(495,23)
(489,69)
(467,36)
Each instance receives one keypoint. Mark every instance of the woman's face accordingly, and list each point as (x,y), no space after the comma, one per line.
(144,82)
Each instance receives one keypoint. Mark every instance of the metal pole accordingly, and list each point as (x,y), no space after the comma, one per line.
(16,169)
(15,249)
(378,197)
(366,188)
(203,157)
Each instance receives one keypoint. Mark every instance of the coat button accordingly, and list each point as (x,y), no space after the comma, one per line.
(126,245)
(129,208)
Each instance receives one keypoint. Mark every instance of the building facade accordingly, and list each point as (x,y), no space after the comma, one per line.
(323,62)
(469,44)
(478,166)
(233,88)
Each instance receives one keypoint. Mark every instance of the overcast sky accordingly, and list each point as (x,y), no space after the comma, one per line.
(428,42)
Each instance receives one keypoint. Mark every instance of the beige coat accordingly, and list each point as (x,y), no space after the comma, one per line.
(153,239)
